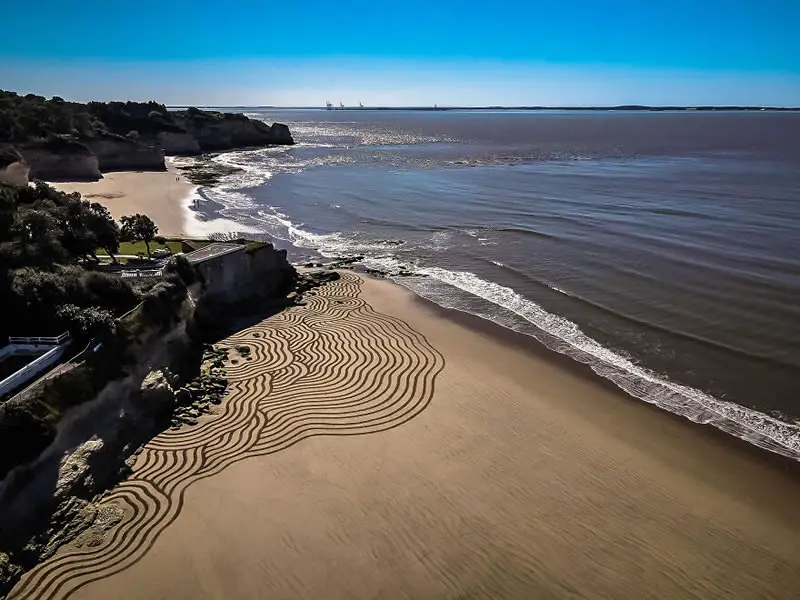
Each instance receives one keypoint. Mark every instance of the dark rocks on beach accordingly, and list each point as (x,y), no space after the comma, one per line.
(197,396)
(307,282)
(207,171)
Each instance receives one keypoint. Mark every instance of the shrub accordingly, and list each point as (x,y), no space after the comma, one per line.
(109,291)
(85,323)
(181,266)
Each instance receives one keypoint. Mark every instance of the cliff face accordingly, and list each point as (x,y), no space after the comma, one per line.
(64,161)
(75,141)
(121,154)
(13,168)
(177,143)
(17,173)
(222,131)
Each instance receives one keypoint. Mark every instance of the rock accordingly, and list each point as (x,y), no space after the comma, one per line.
(156,393)
(178,143)
(183,395)
(75,469)
(61,159)
(9,572)
(117,153)
(223,131)
(13,168)
(243,350)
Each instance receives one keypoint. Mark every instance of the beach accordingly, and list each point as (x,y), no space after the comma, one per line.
(372,445)
(162,195)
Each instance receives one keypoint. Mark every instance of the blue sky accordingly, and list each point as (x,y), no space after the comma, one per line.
(412,52)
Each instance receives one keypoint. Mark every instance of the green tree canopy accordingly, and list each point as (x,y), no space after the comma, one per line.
(139,227)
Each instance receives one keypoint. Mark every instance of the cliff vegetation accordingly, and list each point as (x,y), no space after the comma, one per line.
(71,140)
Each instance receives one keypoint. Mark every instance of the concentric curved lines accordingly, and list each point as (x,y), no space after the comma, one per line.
(332,367)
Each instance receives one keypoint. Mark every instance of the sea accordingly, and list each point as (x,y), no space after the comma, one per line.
(661,249)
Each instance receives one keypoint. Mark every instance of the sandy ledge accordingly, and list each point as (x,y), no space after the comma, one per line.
(372,448)
(162,195)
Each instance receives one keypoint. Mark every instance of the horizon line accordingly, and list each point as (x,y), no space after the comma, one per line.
(631,107)
(503,107)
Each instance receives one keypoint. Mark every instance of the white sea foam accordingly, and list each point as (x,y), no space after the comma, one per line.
(565,337)
(506,307)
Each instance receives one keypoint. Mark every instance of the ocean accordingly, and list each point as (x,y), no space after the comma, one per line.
(661,249)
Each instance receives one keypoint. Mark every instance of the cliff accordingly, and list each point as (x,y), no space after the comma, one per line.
(221,131)
(13,168)
(178,143)
(74,141)
(122,154)
(73,435)
(60,159)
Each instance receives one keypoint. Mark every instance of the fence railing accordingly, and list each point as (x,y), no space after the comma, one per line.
(31,370)
(49,340)
(141,273)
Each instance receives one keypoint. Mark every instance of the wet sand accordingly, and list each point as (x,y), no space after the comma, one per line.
(162,195)
(372,448)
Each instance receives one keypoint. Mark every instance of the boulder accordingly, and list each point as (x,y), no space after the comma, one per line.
(156,393)
(13,168)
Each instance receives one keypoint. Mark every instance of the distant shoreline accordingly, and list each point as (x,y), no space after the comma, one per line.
(625,108)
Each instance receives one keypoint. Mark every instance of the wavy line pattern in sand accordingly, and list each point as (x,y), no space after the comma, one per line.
(332,367)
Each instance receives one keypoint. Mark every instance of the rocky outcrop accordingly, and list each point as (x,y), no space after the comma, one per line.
(122,154)
(223,131)
(13,168)
(17,173)
(73,141)
(178,143)
(62,160)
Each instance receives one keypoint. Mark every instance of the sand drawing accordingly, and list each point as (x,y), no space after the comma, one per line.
(331,367)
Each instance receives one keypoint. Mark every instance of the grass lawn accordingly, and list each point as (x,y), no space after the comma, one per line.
(136,247)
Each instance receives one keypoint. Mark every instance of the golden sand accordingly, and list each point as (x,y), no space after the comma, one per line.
(372,449)
(162,195)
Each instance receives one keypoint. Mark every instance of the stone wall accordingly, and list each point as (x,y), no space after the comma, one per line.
(247,273)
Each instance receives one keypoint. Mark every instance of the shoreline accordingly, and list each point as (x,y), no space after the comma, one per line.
(539,351)
(715,418)
(154,193)
(165,196)
(423,457)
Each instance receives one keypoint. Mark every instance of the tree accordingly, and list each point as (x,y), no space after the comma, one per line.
(139,227)
(105,229)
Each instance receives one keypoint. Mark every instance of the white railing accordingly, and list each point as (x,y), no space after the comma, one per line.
(29,371)
(40,340)
(141,273)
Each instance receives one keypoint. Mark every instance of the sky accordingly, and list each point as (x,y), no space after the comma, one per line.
(415,52)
